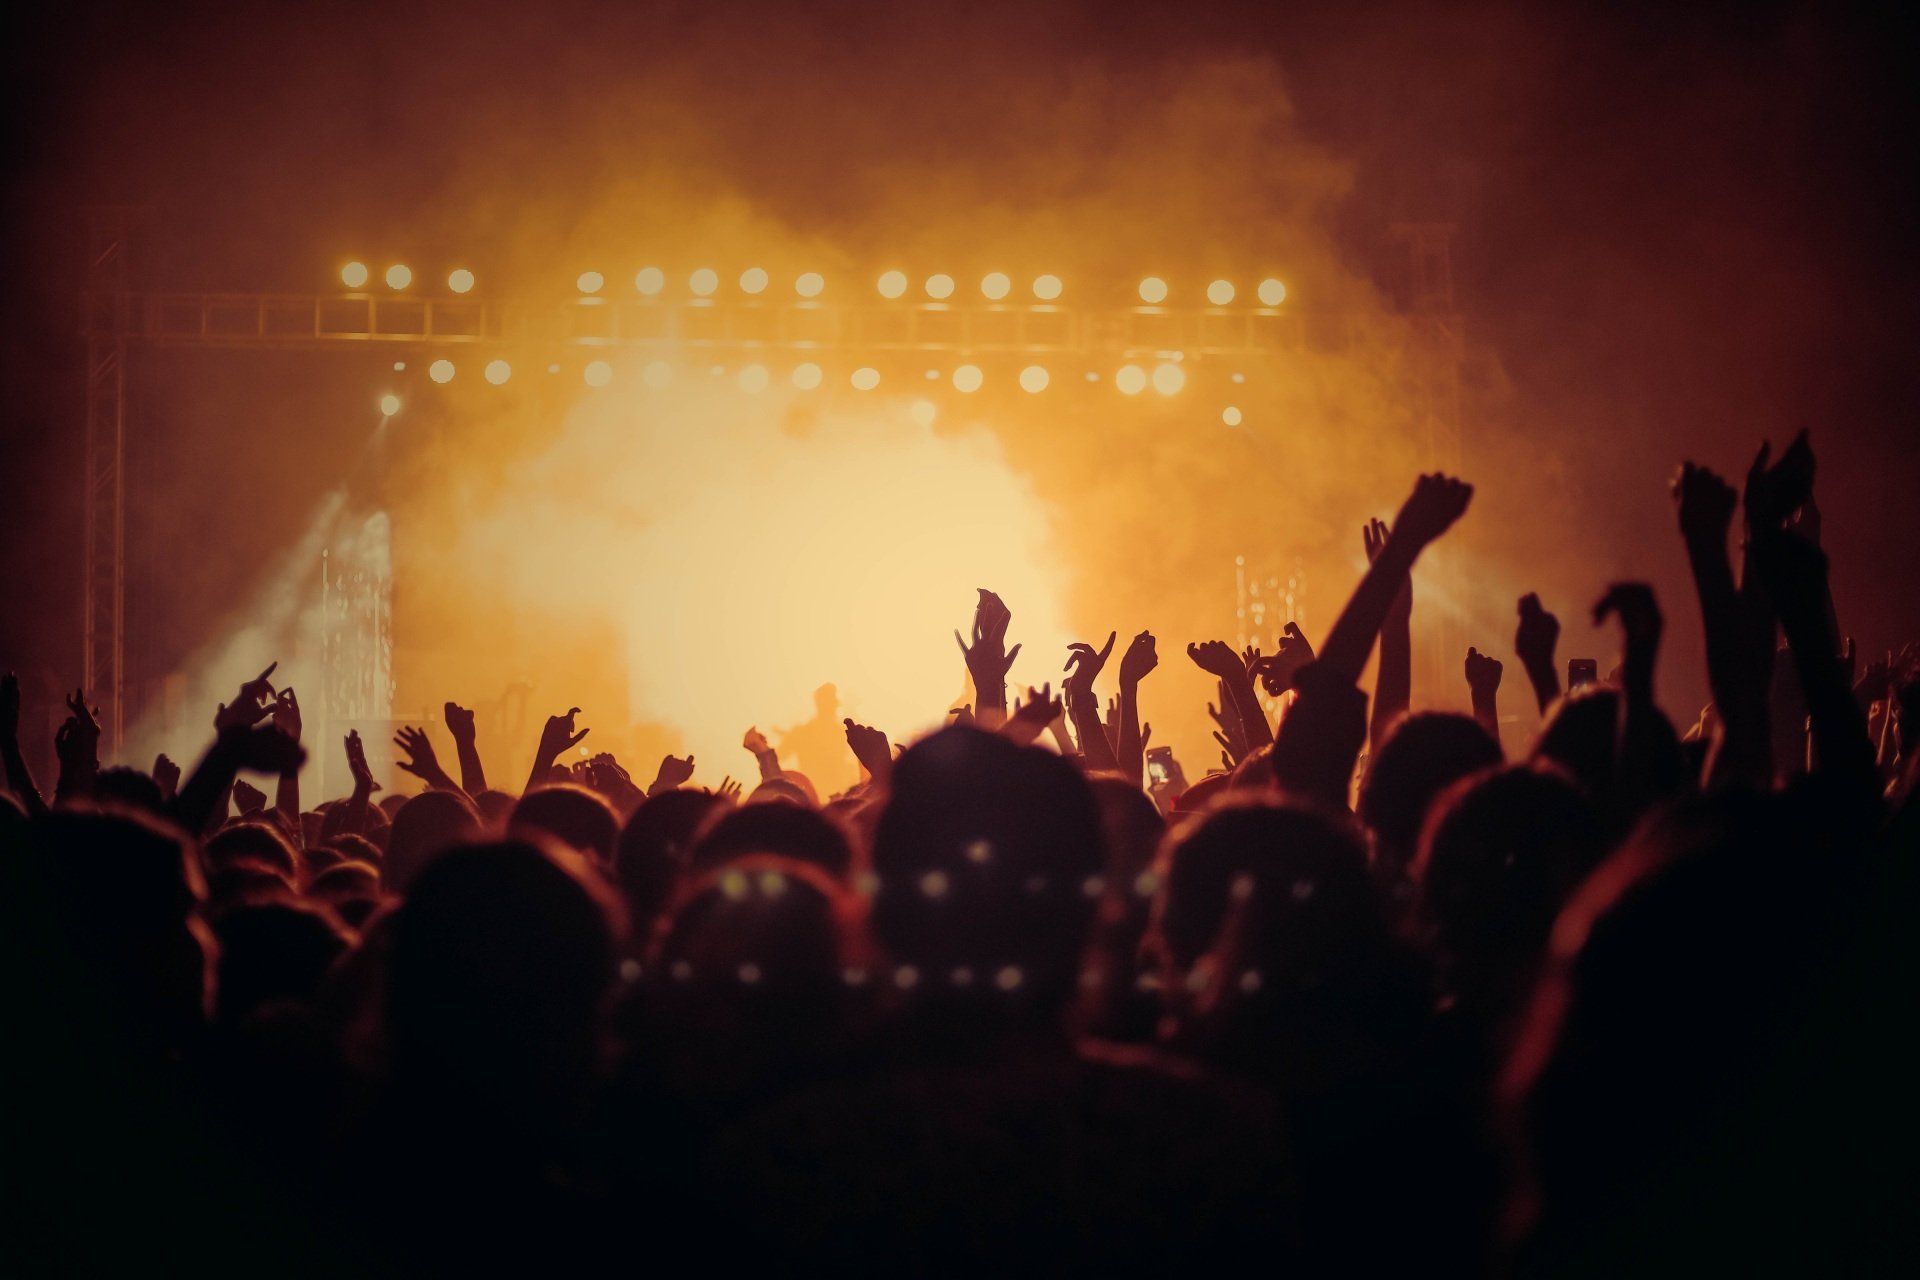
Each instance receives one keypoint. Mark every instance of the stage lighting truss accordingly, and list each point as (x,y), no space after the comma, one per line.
(694,313)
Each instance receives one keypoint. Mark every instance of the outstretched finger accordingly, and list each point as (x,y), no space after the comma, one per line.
(575,740)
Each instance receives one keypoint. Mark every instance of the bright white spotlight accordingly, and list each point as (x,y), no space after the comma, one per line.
(1231,415)
(810,284)
(753,280)
(1131,379)
(940,287)
(399,366)
(657,374)
(995,285)
(865,378)
(497,371)
(460,280)
(703,282)
(598,373)
(892,284)
(649,281)
(753,379)
(1153,291)
(1169,378)
(354,275)
(399,276)
(590,281)
(1046,288)
(1272,292)
(806,376)
(1220,292)
(968,378)
(441,371)
(922,412)
(389,405)
(1034,378)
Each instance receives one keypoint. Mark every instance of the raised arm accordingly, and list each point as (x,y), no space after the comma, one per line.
(1084,663)
(988,659)
(1533,643)
(19,776)
(1135,663)
(421,761)
(1217,658)
(1483,683)
(473,778)
(769,760)
(1436,502)
(77,744)
(1738,626)
(1393,679)
(286,795)
(1794,574)
(871,748)
(558,736)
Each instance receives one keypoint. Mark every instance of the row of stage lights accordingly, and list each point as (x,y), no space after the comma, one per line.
(1167,378)
(995,286)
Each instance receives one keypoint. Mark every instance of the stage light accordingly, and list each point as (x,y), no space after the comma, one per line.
(1169,378)
(353,275)
(649,281)
(399,366)
(1131,379)
(398,276)
(922,412)
(995,285)
(1033,378)
(1272,292)
(1231,415)
(598,373)
(590,281)
(703,282)
(809,284)
(893,284)
(497,371)
(389,405)
(753,379)
(657,374)
(1153,291)
(1046,288)
(865,378)
(806,376)
(1238,377)
(1220,292)
(967,378)
(460,281)
(441,371)
(753,280)
(940,287)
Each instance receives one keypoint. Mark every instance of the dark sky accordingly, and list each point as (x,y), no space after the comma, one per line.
(1681,228)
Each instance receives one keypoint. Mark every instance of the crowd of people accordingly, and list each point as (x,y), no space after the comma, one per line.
(1376,993)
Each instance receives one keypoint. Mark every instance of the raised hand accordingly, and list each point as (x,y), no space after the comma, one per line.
(755,741)
(166,774)
(1705,504)
(558,736)
(459,720)
(1084,663)
(1436,502)
(357,763)
(728,789)
(870,747)
(1483,672)
(1033,714)
(248,798)
(674,771)
(286,713)
(421,761)
(1534,641)
(255,699)
(1217,658)
(1138,660)
(988,659)
(1276,670)
(1640,620)
(1774,492)
(77,745)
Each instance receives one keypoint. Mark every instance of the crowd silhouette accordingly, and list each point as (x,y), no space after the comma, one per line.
(1380,992)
